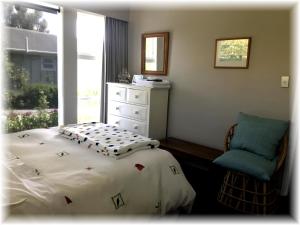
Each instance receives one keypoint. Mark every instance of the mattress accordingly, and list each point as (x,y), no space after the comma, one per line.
(49,175)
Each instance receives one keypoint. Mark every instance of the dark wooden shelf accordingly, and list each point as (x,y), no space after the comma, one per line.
(184,148)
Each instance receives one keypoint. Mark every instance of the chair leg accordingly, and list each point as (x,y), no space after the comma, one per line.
(247,194)
(232,181)
(265,200)
(223,187)
(255,206)
(242,195)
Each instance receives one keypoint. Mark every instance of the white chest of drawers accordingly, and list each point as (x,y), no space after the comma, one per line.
(142,110)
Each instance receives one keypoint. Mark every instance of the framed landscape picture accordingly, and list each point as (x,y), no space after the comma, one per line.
(232,53)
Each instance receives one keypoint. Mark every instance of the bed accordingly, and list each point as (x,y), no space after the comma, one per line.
(47,174)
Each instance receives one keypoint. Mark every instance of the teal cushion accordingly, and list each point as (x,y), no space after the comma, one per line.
(258,135)
(247,162)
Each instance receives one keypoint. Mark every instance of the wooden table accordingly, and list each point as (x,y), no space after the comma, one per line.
(188,149)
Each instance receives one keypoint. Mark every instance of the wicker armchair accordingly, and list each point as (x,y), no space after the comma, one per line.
(247,194)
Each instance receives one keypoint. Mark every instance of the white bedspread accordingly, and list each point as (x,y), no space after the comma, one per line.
(47,174)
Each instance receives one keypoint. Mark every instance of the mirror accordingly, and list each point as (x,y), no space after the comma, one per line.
(155,50)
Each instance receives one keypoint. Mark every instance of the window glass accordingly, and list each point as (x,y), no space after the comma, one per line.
(89,66)
(48,64)
(30,69)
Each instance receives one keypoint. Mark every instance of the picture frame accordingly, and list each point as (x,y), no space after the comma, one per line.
(232,53)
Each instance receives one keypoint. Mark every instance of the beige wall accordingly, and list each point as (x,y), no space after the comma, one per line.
(205,101)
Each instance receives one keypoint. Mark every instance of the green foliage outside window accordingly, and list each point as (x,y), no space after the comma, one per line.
(19,122)
(19,16)
(21,95)
(17,76)
(34,96)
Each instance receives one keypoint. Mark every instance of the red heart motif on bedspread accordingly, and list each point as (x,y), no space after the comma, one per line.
(68,200)
(139,166)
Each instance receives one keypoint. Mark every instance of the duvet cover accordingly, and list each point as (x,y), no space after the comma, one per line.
(49,175)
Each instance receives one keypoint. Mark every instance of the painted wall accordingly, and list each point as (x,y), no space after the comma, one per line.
(205,101)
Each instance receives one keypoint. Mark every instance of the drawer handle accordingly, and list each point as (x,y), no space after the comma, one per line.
(117,108)
(135,127)
(136,112)
(136,96)
(117,93)
(117,122)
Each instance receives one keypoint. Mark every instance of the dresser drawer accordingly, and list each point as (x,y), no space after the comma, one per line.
(131,125)
(139,109)
(127,110)
(117,93)
(137,96)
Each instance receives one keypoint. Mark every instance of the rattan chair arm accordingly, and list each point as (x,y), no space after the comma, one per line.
(229,136)
(282,151)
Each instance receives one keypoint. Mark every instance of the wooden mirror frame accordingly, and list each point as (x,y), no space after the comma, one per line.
(165,35)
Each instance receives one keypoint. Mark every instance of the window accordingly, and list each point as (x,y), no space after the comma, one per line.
(48,64)
(151,54)
(89,66)
(30,96)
